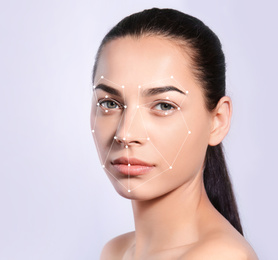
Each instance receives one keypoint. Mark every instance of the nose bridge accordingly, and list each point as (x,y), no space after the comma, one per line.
(131,127)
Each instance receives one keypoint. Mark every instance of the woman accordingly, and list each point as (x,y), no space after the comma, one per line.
(159,115)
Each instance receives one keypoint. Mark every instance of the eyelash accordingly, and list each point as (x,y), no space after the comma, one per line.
(172,106)
(103,103)
(106,101)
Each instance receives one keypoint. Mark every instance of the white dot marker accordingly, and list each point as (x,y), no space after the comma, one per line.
(125,106)
(166,113)
(167,97)
(94,86)
(139,86)
(129,190)
(189,132)
(170,167)
(124,138)
(93,131)
(186,92)
(106,111)
(137,106)
(128,164)
(123,86)
(148,138)
(172,77)
(115,137)
(179,108)
(103,166)
(106,96)
(98,104)
(126,146)
(102,77)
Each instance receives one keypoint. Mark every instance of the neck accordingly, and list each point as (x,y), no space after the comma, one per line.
(172,220)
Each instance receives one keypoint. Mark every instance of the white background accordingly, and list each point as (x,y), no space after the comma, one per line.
(55,200)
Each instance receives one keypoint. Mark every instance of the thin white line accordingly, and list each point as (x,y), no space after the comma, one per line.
(128,175)
(138,95)
(95,95)
(120,122)
(145,108)
(179,84)
(133,116)
(131,121)
(115,178)
(109,150)
(143,123)
(94,126)
(184,121)
(112,82)
(160,153)
(184,140)
(149,179)
(99,154)
(125,109)
(98,81)
(142,105)
(180,150)
(183,100)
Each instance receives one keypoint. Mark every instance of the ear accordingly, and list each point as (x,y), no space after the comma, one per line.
(221,119)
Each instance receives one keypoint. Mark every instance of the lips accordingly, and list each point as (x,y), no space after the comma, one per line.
(131,166)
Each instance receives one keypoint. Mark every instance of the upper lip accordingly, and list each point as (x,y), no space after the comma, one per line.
(131,161)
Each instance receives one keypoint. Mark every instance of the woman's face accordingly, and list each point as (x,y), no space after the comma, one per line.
(149,120)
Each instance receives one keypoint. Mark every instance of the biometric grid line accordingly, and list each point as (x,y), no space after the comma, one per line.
(116,137)
(152,143)
(170,167)
(126,146)
(93,131)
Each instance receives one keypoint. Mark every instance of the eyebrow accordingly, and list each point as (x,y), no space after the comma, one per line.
(160,90)
(108,89)
(147,92)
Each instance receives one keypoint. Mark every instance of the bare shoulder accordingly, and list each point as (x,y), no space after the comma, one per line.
(116,247)
(220,246)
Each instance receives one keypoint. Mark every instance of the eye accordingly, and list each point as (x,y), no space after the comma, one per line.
(164,106)
(109,105)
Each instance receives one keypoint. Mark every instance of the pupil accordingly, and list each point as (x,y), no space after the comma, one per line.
(165,106)
(111,104)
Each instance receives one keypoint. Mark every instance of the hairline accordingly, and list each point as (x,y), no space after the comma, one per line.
(186,49)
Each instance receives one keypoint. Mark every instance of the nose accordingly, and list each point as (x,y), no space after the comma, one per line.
(131,130)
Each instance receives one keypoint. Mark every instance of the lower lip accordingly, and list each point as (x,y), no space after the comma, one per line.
(132,169)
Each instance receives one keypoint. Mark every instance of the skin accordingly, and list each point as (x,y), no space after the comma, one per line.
(173,216)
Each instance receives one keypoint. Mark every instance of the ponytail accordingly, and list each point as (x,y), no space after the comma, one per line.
(218,185)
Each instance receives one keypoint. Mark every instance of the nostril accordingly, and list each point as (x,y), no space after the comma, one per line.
(117,139)
(125,141)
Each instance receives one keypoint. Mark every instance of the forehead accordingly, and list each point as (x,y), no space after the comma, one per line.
(132,60)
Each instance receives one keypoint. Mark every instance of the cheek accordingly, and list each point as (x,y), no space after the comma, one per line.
(103,129)
(181,140)
(169,138)
(194,149)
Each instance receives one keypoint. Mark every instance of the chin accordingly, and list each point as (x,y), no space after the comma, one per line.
(147,191)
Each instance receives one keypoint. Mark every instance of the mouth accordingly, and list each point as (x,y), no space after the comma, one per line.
(131,166)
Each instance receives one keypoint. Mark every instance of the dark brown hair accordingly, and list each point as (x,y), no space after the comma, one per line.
(209,68)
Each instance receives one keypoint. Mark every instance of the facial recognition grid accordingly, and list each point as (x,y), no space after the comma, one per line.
(139,107)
